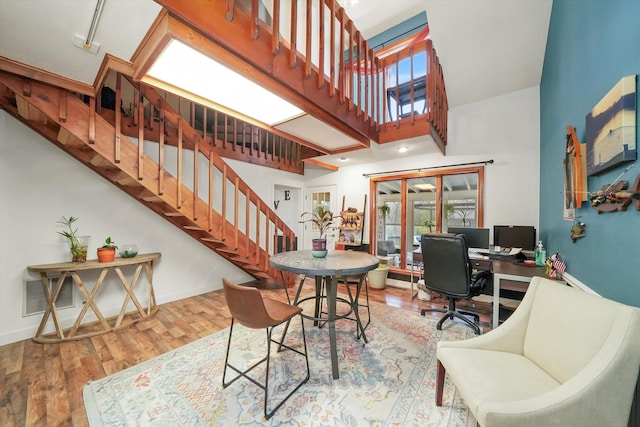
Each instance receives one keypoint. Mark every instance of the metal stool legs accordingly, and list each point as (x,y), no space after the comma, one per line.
(267,413)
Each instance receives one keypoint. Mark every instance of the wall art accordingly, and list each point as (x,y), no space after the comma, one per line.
(611,128)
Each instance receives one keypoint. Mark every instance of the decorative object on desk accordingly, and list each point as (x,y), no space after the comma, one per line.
(107,252)
(379,388)
(555,266)
(128,251)
(611,128)
(322,220)
(78,244)
(378,277)
(541,254)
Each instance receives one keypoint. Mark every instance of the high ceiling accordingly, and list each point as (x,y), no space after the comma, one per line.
(486,47)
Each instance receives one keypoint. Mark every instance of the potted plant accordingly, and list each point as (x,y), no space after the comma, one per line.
(384,211)
(107,252)
(78,244)
(323,220)
(378,277)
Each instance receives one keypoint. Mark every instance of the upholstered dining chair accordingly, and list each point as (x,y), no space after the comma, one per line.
(447,270)
(249,308)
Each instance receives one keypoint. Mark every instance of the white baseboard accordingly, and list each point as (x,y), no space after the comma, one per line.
(572,281)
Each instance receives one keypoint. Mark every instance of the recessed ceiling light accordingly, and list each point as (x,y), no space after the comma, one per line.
(343,159)
(403,149)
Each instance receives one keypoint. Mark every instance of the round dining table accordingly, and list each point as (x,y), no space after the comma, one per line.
(336,265)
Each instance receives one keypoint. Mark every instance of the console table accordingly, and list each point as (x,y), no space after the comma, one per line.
(102,324)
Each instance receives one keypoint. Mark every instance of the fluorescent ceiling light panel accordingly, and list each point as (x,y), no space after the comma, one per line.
(426,187)
(187,69)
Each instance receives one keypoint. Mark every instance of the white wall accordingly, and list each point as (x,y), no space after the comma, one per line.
(505,129)
(39,183)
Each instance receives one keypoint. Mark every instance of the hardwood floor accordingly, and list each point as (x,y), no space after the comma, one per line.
(41,384)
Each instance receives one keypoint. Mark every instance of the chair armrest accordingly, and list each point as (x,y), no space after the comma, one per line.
(600,394)
(509,337)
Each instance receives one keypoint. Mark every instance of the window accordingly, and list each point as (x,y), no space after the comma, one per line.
(417,203)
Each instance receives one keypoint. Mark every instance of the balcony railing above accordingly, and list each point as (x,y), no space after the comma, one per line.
(312,54)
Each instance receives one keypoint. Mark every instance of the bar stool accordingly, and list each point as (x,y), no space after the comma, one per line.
(249,308)
(356,281)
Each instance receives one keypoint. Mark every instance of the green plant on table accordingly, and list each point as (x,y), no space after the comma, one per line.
(108,243)
(78,247)
(323,219)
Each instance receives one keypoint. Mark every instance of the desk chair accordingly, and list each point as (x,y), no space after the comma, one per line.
(447,270)
(250,309)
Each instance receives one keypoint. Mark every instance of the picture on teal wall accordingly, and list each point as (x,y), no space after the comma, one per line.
(611,128)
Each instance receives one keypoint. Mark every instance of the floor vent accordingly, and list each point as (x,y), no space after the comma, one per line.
(35,300)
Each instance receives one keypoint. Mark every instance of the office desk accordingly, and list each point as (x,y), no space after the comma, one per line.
(336,265)
(502,270)
(505,270)
(102,325)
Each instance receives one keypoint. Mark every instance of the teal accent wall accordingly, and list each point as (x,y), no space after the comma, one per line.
(591,45)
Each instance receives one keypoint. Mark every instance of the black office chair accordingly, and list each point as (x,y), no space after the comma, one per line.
(447,270)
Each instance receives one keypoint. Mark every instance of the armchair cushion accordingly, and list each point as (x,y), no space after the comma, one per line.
(564,357)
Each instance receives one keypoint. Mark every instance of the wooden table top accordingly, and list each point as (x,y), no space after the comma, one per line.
(338,262)
(93,263)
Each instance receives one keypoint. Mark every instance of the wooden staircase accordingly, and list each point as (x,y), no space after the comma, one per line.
(220,211)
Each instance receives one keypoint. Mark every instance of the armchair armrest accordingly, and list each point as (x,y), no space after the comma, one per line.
(509,337)
(611,373)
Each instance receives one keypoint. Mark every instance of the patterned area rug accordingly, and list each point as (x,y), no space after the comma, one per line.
(388,382)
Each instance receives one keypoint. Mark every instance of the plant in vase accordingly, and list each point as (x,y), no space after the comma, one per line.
(107,252)
(323,219)
(78,244)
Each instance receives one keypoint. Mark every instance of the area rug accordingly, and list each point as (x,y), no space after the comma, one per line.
(388,382)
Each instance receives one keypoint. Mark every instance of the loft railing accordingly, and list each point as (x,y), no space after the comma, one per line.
(206,190)
(314,49)
(410,81)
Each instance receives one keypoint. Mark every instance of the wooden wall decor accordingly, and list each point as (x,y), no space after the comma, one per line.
(351,224)
(617,196)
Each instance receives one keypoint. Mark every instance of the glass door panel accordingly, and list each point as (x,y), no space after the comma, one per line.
(460,200)
(389,217)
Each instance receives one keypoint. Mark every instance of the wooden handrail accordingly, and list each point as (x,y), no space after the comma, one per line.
(357,74)
(219,211)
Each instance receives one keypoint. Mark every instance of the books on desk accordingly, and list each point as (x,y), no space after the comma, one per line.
(475,253)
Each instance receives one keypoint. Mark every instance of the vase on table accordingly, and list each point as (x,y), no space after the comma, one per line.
(79,246)
(319,248)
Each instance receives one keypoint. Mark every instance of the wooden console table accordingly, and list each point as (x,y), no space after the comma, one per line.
(102,325)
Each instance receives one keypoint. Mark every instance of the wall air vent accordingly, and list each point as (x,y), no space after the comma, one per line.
(34,300)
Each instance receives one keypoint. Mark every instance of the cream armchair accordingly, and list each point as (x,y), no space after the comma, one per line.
(563,358)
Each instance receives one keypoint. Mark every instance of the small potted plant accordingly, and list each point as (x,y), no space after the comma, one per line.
(78,244)
(378,277)
(107,252)
(323,220)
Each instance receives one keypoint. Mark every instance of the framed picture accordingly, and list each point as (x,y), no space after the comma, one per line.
(611,128)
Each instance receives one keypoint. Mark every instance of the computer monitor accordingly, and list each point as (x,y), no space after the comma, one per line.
(476,238)
(514,236)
